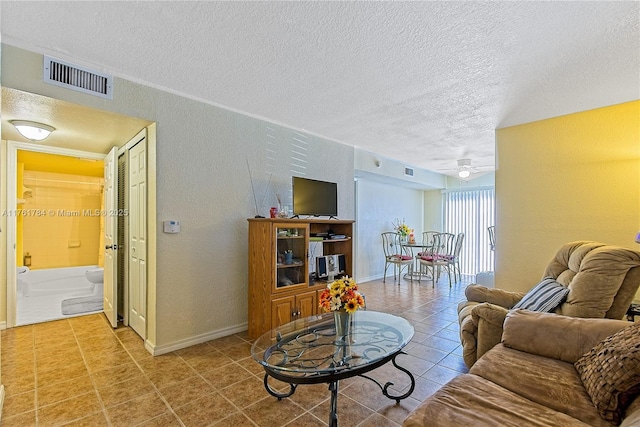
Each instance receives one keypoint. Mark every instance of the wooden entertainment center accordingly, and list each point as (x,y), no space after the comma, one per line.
(280,287)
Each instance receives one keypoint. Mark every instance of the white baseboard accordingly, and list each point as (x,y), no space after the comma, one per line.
(157,350)
(1,400)
(370,278)
(3,325)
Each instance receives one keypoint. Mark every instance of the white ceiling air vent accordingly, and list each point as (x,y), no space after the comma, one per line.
(408,171)
(73,77)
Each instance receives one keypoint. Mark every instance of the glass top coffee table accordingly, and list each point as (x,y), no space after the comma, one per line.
(309,351)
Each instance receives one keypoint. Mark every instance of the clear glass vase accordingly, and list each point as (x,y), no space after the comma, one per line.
(342,320)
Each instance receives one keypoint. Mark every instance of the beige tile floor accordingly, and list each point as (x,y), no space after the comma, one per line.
(80,372)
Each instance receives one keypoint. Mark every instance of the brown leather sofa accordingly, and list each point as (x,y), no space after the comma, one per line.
(529,379)
(602,281)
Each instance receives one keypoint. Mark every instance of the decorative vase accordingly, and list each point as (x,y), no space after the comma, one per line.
(342,320)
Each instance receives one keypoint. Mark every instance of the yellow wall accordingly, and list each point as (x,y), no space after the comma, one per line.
(433,220)
(64,229)
(57,163)
(574,177)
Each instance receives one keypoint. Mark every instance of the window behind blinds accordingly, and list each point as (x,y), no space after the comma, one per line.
(471,212)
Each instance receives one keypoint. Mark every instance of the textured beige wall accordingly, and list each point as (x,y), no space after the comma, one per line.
(575,177)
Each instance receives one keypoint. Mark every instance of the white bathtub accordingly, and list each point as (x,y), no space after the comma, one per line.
(70,281)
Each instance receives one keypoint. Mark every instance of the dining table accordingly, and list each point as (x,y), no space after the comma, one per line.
(413,249)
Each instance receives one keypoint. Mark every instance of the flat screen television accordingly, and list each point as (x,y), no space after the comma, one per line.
(312,197)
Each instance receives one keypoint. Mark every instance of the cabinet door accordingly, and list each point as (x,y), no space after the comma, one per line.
(291,255)
(306,304)
(282,310)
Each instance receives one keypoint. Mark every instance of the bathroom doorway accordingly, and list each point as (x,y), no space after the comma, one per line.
(85,296)
(58,236)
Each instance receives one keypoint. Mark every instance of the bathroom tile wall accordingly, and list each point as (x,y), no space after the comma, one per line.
(62,219)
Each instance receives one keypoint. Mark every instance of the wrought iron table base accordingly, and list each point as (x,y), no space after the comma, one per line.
(333,387)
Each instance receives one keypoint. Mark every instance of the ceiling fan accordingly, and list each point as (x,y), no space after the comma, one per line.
(465,169)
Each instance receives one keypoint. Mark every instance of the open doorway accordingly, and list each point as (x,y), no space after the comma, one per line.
(59,229)
(58,236)
(41,227)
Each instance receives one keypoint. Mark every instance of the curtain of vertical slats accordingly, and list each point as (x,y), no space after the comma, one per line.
(471,212)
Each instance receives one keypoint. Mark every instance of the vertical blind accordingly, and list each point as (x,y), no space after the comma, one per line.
(471,212)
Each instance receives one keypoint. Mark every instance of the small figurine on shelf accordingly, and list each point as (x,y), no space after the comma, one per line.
(412,238)
(288,257)
(284,212)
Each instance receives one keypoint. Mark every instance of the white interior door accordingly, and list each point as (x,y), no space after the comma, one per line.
(111,236)
(138,237)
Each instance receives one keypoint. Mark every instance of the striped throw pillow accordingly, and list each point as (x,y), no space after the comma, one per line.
(545,296)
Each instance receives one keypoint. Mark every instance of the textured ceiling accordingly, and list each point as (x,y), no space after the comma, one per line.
(426,83)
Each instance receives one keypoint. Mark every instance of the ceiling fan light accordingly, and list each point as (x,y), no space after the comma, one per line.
(32,130)
(464,173)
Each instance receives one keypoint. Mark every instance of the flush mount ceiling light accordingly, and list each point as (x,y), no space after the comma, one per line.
(32,130)
(464,168)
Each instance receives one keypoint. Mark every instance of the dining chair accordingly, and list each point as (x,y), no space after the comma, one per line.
(492,237)
(454,258)
(427,243)
(396,255)
(442,248)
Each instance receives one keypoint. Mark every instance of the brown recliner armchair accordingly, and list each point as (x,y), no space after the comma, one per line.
(602,281)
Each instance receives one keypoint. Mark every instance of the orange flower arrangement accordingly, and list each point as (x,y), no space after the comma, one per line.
(342,295)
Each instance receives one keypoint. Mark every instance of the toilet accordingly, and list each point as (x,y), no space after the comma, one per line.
(95,275)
